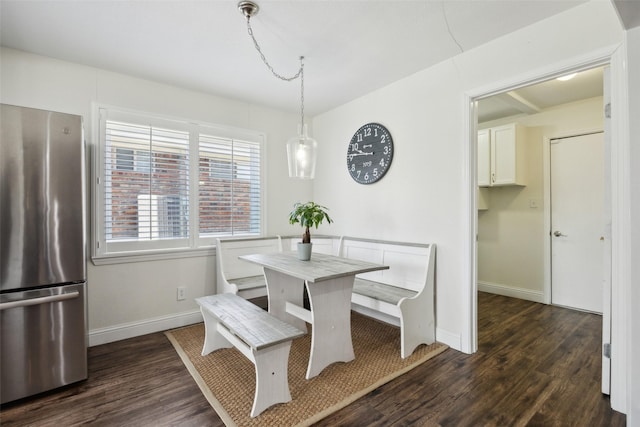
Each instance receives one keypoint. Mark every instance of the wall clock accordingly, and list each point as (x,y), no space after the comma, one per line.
(369,153)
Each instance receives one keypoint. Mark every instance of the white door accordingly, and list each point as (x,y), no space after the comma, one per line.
(577,221)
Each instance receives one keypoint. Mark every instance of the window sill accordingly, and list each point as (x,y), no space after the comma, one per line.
(127,257)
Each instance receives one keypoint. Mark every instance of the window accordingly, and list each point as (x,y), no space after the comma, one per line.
(124,159)
(129,159)
(171,185)
(146,182)
(229,188)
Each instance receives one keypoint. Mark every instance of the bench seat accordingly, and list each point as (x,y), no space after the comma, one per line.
(381,291)
(249,283)
(232,321)
(402,294)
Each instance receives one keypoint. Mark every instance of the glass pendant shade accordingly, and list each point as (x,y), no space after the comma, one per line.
(301,155)
(301,149)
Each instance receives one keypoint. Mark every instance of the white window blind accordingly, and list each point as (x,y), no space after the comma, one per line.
(147,182)
(174,185)
(229,186)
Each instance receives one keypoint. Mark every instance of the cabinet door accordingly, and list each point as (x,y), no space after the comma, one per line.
(484,159)
(503,155)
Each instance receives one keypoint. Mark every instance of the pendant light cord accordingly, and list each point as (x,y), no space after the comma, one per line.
(300,72)
(302,132)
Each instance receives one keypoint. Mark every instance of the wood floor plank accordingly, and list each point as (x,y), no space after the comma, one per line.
(506,381)
(537,365)
(135,382)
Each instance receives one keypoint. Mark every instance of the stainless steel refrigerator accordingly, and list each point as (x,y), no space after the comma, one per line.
(43,332)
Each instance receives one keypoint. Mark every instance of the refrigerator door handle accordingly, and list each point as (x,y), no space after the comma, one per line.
(40,300)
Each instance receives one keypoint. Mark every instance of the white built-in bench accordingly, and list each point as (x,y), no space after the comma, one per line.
(402,295)
(404,291)
(265,340)
(240,277)
(322,244)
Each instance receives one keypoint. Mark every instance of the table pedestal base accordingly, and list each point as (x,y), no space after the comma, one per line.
(330,315)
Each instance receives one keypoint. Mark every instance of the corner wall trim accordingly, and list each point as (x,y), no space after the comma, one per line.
(143,327)
(449,338)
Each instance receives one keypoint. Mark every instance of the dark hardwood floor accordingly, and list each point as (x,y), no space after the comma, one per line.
(536,365)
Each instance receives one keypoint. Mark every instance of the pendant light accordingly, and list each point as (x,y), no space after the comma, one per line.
(301,149)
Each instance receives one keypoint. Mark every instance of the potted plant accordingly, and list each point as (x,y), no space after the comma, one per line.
(307,215)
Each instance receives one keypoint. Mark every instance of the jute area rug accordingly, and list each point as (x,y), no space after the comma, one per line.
(227,378)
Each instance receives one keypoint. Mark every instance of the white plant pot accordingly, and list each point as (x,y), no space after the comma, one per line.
(304,251)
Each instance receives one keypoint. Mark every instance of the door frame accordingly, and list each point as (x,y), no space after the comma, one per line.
(615,56)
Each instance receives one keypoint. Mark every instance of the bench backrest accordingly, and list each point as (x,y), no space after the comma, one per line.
(322,244)
(408,262)
(228,251)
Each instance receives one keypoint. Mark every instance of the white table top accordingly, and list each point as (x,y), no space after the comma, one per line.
(319,268)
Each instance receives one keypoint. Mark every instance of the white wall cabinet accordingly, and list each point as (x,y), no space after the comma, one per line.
(484,158)
(501,156)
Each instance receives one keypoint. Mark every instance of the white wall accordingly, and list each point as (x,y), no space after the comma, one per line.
(633,46)
(134,298)
(511,234)
(424,196)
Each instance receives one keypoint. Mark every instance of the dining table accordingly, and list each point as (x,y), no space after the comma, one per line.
(329,283)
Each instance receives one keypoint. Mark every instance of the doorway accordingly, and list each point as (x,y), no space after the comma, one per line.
(615,324)
(526,206)
(514,217)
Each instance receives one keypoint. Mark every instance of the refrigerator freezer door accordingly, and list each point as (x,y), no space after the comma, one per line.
(44,343)
(42,198)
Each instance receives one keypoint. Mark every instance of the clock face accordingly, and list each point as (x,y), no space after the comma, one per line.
(369,153)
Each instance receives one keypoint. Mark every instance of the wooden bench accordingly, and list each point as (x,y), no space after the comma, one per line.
(230,320)
(403,292)
(240,277)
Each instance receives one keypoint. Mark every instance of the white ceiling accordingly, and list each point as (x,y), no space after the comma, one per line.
(351,47)
(535,98)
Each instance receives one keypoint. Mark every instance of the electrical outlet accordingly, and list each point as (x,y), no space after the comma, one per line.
(181,295)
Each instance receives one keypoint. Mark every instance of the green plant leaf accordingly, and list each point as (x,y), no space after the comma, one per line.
(308,215)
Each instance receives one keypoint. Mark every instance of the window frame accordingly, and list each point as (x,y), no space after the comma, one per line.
(103,252)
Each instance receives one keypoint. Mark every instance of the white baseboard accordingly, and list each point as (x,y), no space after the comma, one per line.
(454,341)
(158,324)
(147,326)
(511,291)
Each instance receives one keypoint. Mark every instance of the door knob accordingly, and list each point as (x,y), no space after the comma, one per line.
(559,234)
